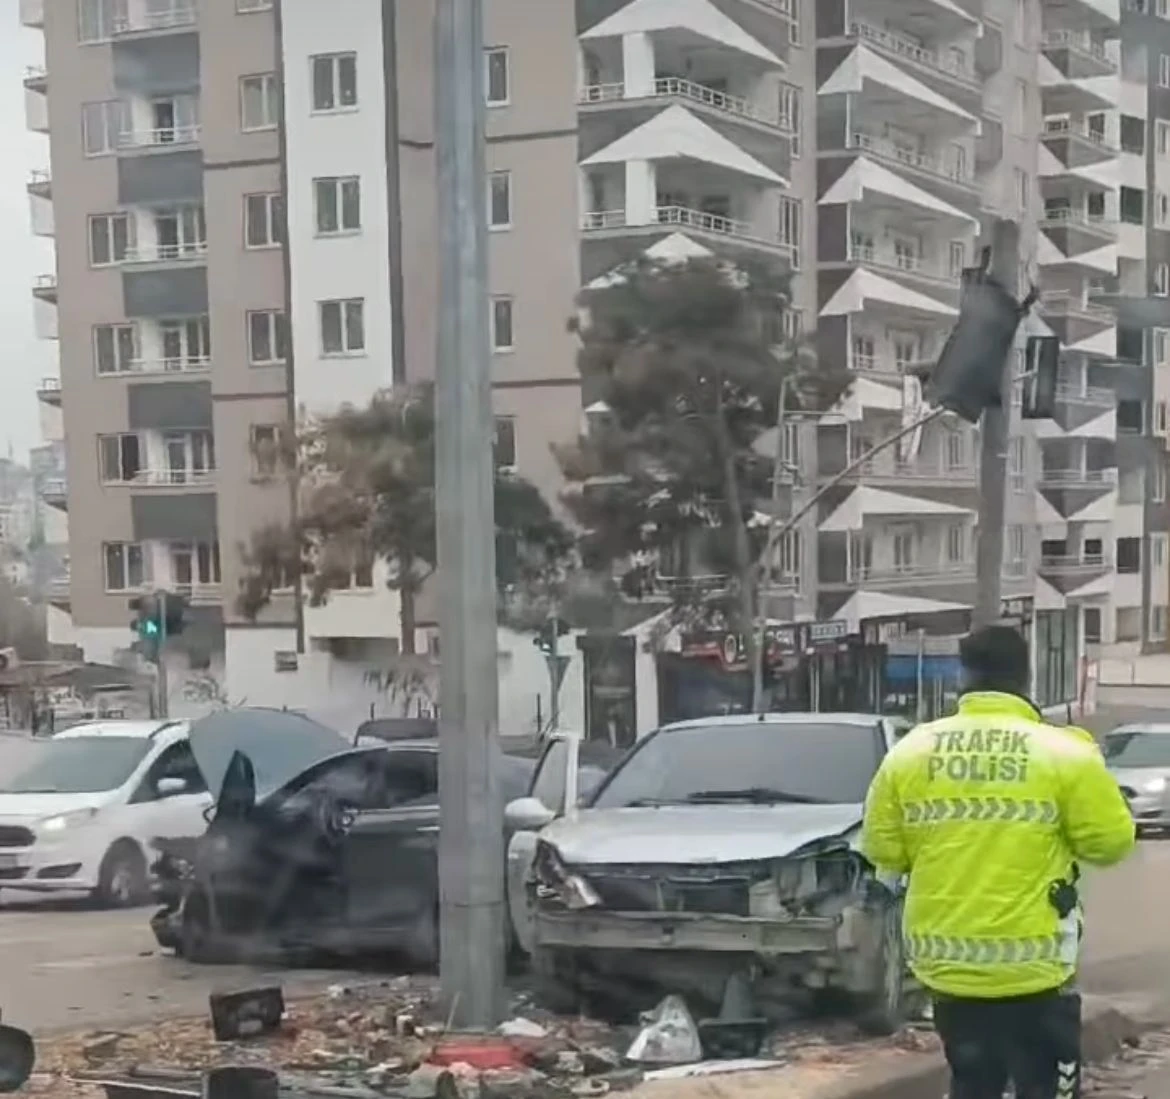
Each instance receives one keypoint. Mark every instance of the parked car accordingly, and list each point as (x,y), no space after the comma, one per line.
(1139,757)
(713,848)
(333,853)
(81,812)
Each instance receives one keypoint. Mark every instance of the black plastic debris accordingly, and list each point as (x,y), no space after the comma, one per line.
(240,1082)
(18,1056)
(255,1011)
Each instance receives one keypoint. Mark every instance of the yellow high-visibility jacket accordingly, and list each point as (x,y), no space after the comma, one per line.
(985,810)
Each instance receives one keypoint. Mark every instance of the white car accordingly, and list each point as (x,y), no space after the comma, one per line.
(80,815)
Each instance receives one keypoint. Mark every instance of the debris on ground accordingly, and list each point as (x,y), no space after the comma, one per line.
(669,1036)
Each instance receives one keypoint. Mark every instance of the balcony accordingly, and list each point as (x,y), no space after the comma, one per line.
(1091,229)
(1077,478)
(1089,395)
(36,78)
(165,138)
(146,22)
(1076,55)
(900,156)
(928,62)
(189,252)
(200,595)
(49,391)
(890,261)
(189,364)
(40,183)
(1075,144)
(57,590)
(923,472)
(55,492)
(45,288)
(911,573)
(167,478)
(713,226)
(32,14)
(1066,303)
(36,102)
(687,93)
(1073,564)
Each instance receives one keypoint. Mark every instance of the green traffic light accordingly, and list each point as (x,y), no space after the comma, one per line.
(149,628)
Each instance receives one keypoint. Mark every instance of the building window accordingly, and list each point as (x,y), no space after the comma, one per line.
(497,77)
(119,458)
(115,348)
(790,222)
(500,200)
(504,445)
(1160,417)
(1016,550)
(955,452)
(343,327)
(185,343)
(1163,71)
(1023,190)
(1017,463)
(1128,624)
(259,102)
(1021,104)
(1093,625)
(125,566)
(501,316)
(253,5)
(264,221)
(1158,551)
(786,562)
(956,258)
(267,338)
(904,545)
(956,544)
(335,81)
(109,239)
(1161,208)
(1131,418)
(265,440)
(105,126)
(1162,279)
(790,116)
(792,321)
(1158,481)
(338,205)
(1131,205)
(1133,134)
(194,564)
(1158,613)
(97,20)
(1129,555)
(1161,344)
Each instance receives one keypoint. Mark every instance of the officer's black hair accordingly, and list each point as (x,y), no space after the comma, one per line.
(995,658)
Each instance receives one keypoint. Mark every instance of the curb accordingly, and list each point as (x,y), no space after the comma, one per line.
(1105,1031)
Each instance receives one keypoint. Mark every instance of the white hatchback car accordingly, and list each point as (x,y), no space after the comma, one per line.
(80,815)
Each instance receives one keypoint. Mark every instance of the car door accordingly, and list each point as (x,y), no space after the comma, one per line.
(556,774)
(391,851)
(152,811)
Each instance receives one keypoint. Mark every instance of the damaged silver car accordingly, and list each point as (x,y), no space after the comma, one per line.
(717,848)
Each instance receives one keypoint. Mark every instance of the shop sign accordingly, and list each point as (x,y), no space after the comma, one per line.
(826,633)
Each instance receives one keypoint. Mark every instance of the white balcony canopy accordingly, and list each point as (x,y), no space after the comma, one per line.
(865,393)
(676,134)
(865,67)
(864,605)
(699,18)
(675,248)
(864,287)
(866,179)
(865,503)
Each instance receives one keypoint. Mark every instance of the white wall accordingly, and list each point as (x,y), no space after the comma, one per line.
(337,144)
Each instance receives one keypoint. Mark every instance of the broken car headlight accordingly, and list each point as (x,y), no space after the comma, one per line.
(555,881)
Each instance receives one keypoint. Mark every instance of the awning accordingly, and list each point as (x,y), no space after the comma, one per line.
(865,178)
(676,248)
(864,502)
(863,288)
(865,393)
(864,605)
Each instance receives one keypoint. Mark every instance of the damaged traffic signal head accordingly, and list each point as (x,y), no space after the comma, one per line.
(969,374)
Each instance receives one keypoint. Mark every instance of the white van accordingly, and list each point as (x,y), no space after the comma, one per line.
(80,813)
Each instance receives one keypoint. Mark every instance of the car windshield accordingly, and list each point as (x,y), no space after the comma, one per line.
(79,765)
(760,762)
(1135,749)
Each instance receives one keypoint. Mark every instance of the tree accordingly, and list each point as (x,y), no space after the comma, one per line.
(688,360)
(364,481)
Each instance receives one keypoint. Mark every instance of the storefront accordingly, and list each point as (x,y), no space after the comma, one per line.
(808,666)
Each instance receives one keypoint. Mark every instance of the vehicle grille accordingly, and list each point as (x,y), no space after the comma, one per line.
(14,835)
(710,890)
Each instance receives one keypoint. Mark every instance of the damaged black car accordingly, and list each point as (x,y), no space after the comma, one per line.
(316,847)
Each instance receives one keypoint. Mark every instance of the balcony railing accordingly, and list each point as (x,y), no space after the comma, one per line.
(860,574)
(35,76)
(911,51)
(58,588)
(1065,301)
(1078,41)
(1071,478)
(166,136)
(898,154)
(917,471)
(1063,127)
(39,180)
(190,365)
(676,87)
(1073,562)
(1064,216)
(198,594)
(164,253)
(50,385)
(178,16)
(1092,395)
(900,262)
(54,488)
(45,285)
(169,477)
(682,216)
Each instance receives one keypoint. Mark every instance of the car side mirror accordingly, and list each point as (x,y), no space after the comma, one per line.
(169,787)
(528,815)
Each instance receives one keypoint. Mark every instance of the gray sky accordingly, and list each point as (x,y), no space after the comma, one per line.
(26,359)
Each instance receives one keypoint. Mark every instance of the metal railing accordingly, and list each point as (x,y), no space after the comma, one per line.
(54,486)
(1076,40)
(39,177)
(596,220)
(898,154)
(677,87)
(1068,477)
(167,135)
(914,571)
(898,261)
(920,471)
(1093,395)
(1068,215)
(35,74)
(1073,562)
(163,253)
(911,51)
(1065,301)
(1063,127)
(189,364)
(50,385)
(180,15)
(45,283)
(168,477)
(200,594)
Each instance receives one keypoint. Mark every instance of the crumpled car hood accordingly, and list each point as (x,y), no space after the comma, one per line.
(280,745)
(689,834)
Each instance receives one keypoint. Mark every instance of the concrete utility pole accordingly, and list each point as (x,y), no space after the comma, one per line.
(993,444)
(471,840)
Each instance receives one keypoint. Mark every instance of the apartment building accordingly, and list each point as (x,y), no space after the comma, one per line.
(244,203)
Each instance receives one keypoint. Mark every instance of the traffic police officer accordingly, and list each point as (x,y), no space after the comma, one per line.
(989,812)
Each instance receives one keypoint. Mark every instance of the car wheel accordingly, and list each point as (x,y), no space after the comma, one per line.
(197,940)
(122,879)
(883,1011)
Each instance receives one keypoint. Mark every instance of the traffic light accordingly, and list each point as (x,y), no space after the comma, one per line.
(1042,359)
(157,617)
(546,636)
(968,377)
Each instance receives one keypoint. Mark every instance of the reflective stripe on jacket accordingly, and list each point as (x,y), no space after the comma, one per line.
(985,810)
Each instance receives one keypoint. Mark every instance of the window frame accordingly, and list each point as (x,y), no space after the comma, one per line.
(260,470)
(251,7)
(791,101)
(122,478)
(334,61)
(110,219)
(497,301)
(344,318)
(273,98)
(114,330)
(504,439)
(275,220)
(493,177)
(274,336)
(111,141)
(126,549)
(338,185)
(488,53)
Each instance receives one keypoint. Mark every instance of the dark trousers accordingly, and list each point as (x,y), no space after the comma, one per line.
(1033,1042)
